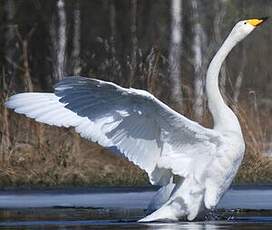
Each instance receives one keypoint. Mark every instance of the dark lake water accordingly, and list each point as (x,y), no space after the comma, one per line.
(120,208)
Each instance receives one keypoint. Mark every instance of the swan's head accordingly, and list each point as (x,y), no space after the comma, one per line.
(245,27)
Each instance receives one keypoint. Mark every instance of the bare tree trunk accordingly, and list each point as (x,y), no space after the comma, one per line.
(220,8)
(152,70)
(76,40)
(26,75)
(175,52)
(115,65)
(5,133)
(54,48)
(11,49)
(239,79)
(134,41)
(58,37)
(9,71)
(5,141)
(112,17)
(61,39)
(199,44)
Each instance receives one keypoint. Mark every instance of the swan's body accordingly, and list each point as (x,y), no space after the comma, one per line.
(194,165)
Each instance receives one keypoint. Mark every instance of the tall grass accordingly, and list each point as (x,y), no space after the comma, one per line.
(257,165)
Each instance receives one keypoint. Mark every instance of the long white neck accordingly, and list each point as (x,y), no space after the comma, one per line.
(223,117)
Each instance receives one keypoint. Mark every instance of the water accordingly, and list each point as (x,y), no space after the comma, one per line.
(120,208)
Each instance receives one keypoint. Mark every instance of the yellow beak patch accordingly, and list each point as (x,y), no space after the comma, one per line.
(255,21)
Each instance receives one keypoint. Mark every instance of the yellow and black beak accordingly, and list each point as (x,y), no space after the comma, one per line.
(256,21)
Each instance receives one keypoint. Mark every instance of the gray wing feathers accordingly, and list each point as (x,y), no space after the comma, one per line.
(138,124)
(124,120)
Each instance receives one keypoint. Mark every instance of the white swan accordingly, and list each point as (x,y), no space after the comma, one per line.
(194,165)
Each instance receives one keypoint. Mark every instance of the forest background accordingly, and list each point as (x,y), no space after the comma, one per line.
(157,45)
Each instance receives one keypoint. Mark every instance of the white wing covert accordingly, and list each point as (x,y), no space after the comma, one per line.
(142,128)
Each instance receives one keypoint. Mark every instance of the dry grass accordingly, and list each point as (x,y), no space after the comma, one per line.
(256,166)
(40,155)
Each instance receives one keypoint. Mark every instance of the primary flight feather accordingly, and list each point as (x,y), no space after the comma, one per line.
(193,164)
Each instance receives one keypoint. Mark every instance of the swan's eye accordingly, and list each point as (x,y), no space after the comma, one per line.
(245,23)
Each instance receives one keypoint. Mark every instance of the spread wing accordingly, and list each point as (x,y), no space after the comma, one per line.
(145,130)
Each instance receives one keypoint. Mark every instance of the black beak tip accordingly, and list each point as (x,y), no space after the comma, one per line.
(264,18)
